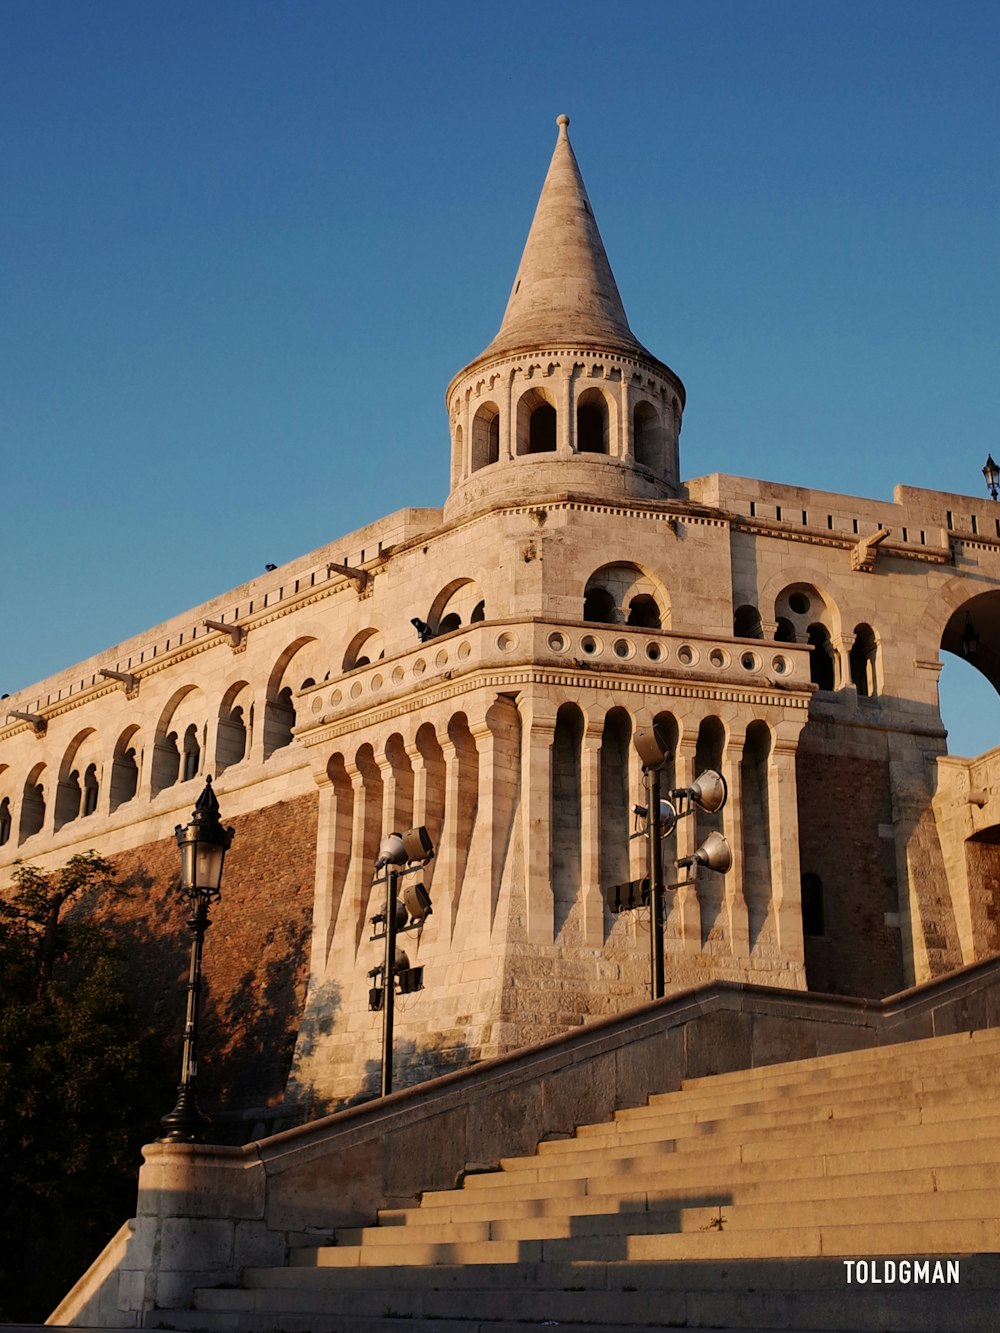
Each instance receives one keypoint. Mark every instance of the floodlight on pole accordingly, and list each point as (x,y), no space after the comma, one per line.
(399,854)
(714,854)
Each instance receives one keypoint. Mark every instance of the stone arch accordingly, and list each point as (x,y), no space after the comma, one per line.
(366,647)
(234,731)
(32,804)
(806,614)
(182,725)
(625,593)
(126,765)
(982,611)
(459,602)
(305,660)
(648,436)
(536,422)
(593,422)
(73,785)
(485,436)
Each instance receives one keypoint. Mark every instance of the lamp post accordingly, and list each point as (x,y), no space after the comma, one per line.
(709,793)
(203,844)
(651,746)
(992,474)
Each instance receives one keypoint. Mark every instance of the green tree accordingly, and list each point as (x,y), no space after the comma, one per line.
(80,1085)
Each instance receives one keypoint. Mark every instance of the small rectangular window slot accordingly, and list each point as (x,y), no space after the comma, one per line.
(975,526)
(950,522)
(855,525)
(753,509)
(777,512)
(905,536)
(829,521)
(805,519)
(923,537)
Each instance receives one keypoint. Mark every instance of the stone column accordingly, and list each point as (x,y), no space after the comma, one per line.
(538,722)
(786,883)
(360,872)
(565,416)
(626,445)
(590,836)
(507,429)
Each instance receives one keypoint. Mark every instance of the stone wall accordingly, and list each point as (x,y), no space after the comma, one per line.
(256,954)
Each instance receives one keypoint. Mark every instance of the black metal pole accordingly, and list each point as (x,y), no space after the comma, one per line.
(389,980)
(187,1123)
(655,867)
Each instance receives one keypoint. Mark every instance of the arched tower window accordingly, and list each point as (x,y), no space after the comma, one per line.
(486,436)
(647,436)
(536,424)
(863,661)
(592,423)
(5,821)
(125,768)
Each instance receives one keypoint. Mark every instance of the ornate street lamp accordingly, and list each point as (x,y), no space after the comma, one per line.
(970,639)
(203,845)
(992,474)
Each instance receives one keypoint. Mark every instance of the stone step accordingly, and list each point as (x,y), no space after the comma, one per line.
(744,1183)
(927,1052)
(930,1148)
(891,1237)
(965,1099)
(687,1214)
(983,1080)
(826,1138)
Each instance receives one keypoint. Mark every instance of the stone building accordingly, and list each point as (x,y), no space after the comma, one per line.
(481,669)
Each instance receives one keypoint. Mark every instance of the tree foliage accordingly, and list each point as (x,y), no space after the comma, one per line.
(80,1085)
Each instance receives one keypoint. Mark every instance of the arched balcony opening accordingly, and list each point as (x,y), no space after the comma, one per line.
(125,769)
(6,821)
(864,661)
(746,623)
(32,805)
(821,666)
(191,757)
(643,612)
(91,790)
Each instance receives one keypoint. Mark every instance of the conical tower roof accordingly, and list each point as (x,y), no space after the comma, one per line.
(564,291)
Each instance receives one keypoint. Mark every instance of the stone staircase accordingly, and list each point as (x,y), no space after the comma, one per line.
(730,1204)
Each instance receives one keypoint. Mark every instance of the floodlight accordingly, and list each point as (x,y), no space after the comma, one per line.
(714,853)
(668,817)
(652,746)
(402,960)
(401,915)
(709,790)
(417,844)
(627,897)
(391,852)
(410,980)
(417,901)
(375,997)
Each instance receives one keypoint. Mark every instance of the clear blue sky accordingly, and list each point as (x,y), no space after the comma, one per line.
(244,246)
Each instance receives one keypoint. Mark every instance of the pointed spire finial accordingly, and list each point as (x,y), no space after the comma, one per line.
(564,290)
